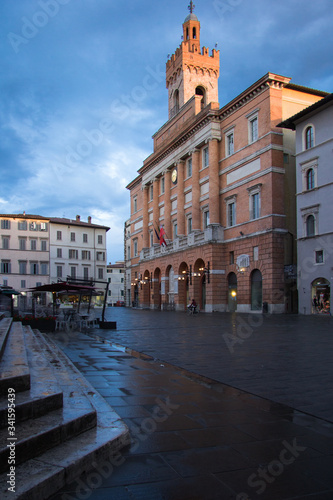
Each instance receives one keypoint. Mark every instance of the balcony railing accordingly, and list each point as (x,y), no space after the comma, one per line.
(196,238)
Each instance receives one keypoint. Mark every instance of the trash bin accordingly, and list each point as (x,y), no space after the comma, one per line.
(265,307)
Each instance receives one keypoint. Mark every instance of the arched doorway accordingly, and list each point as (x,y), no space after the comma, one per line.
(199,284)
(232,292)
(157,298)
(183,285)
(321,296)
(170,287)
(145,286)
(256,290)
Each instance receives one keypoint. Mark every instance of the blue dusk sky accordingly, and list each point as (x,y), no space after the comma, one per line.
(82,89)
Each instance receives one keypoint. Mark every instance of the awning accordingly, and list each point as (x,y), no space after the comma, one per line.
(9,291)
(63,287)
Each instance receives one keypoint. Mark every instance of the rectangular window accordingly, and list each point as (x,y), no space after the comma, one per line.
(5,224)
(205,157)
(22,225)
(151,192)
(22,267)
(255,206)
(206,219)
(135,243)
(319,256)
(22,243)
(72,236)
(135,204)
(34,268)
(175,230)
(100,256)
(43,246)
(73,272)
(100,239)
(231,214)
(189,167)
(85,238)
(5,282)
(231,257)
(23,284)
(86,273)
(59,271)
(5,242)
(100,273)
(253,132)
(43,226)
(44,268)
(33,244)
(151,234)
(59,253)
(85,254)
(230,144)
(189,225)
(73,254)
(33,226)
(59,235)
(162,185)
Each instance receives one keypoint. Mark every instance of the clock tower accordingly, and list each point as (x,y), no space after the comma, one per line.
(191,71)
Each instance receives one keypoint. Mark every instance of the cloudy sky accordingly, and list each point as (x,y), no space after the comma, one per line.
(82,89)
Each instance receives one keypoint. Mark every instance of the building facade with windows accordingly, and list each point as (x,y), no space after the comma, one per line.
(314,145)
(213,207)
(77,249)
(38,250)
(116,278)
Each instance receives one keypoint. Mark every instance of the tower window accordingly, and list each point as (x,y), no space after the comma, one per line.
(187,34)
(194,33)
(201,91)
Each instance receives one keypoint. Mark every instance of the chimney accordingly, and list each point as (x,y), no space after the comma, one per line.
(89,220)
(78,218)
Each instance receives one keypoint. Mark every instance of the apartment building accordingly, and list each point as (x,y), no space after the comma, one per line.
(314,145)
(37,250)
(116,278)
(213,212)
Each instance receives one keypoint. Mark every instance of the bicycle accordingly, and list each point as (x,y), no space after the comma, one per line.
(192,310)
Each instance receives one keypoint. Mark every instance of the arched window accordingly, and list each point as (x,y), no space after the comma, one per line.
(187,34)
(175,102)
(309,138)
(310,225)
(310,181)
(194,33)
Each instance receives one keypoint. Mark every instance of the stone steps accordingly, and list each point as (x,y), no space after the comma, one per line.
(62,425)
(14,368)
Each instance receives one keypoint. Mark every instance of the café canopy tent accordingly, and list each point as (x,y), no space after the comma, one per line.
(65,286)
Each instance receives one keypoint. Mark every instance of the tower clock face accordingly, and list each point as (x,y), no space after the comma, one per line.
(174,176)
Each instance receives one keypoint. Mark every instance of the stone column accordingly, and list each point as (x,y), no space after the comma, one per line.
(145,232)
(196,221)
(214,182)
(180,199)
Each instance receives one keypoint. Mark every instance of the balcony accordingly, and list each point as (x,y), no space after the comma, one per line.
(213,234)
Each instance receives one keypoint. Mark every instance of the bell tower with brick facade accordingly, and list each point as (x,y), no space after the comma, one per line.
(191,71)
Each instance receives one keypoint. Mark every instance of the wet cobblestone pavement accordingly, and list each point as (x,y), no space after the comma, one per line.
(201,436)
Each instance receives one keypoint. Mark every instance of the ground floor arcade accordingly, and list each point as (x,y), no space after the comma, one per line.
(243,276)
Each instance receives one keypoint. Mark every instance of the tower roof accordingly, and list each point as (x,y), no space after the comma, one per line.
(191,17)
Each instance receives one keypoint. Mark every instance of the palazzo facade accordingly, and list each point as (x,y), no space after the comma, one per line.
(213,207)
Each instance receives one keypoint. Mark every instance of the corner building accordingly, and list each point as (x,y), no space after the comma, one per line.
(221,185)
